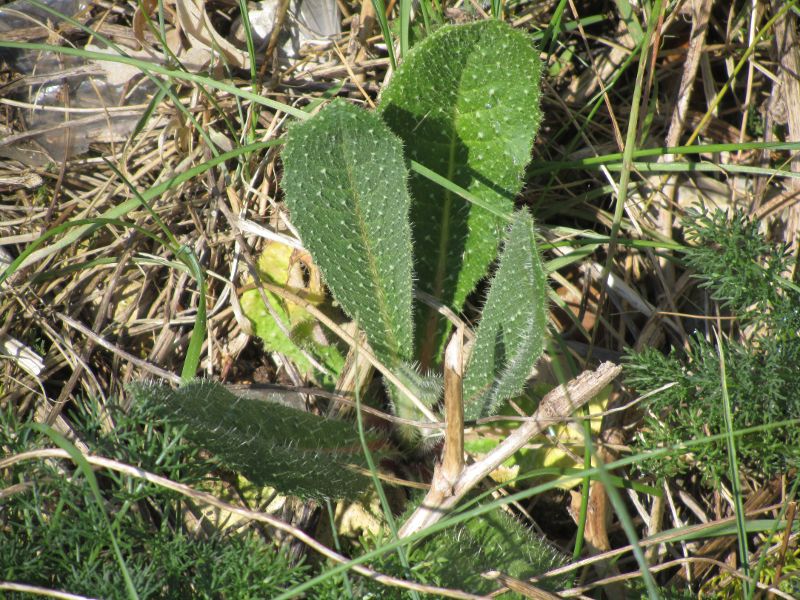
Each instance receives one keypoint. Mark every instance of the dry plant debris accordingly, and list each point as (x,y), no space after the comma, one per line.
(102,194)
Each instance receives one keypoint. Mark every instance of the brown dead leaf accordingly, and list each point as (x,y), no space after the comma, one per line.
(140,18)
(200,33)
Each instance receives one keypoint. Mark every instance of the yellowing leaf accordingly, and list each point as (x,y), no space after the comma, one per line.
(281,265)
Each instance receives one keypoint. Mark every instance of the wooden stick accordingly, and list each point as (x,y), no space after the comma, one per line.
(555,407)
(453,455)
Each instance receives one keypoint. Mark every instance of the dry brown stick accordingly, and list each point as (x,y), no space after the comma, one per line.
(664,537)
(340,71)
(367,23)
(211,500)
(83,121)
(719,546)
(581,590)
(453,454)
(598,514)
(353,77)
(142,364)
(786,42)
(35,590)
(521,587)
(555,407)
(280,18)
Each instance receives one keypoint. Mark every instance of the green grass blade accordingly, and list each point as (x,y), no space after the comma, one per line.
(585,489)
(630,144)
(87,226)
(733,465)
(192,360)
(150,68)
(405,27)
(456,189)
(628,15)
(497,9)
(376,482)
(248,36)
(553,27)
(92,224)
(380,14)
(538,169)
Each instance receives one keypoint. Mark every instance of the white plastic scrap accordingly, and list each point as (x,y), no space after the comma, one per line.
(21,354)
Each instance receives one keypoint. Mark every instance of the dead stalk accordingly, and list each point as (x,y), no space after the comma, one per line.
(555,407)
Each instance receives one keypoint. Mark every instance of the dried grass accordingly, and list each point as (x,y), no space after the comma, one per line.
(112,308)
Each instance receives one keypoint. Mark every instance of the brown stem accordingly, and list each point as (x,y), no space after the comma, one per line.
(453,455)
(555,407)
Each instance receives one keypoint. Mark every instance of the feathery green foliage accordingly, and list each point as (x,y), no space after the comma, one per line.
(510,337)
(465,101)
(271,444)
(50,529)
(738,266)
(428,389)
(742,271)
(345,183)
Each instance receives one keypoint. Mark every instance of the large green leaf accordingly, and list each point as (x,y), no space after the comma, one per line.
(510,336)
(345,184)
(271,444)
(466,104)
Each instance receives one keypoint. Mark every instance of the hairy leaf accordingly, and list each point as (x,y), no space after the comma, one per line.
(271,444)
(457,556)
(510,336)
(345,183)
(466,103)
(428,389)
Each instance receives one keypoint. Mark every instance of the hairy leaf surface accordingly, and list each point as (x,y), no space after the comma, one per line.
(510,336)
(457,556)
(345,184)
(466,104)
(271,444)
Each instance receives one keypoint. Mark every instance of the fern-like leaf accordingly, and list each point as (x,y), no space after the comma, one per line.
(510,336)
(345,184)
(271,444)
(466,104)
